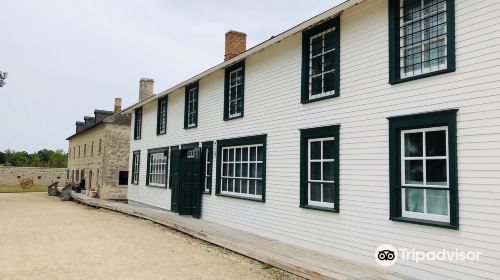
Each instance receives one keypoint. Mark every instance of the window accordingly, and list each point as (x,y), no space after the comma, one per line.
(320,61)
(138,123)
(67,174)
(423,168)
(84,150)
(207,167)
(78,175)
(100,146)
(92,149)
(191,106)
(122,178)
(241,167)
(319,157)
(69,153)
(234,91)
(73,152)
(136,158)
(78,151)
(157,167)
(421,38)
(161,125)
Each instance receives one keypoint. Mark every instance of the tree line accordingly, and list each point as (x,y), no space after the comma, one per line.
(42,158)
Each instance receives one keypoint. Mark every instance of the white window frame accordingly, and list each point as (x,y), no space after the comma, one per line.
(424,185)
(192,96)
(423,42)
(309,181)
(248,162)
(322,74)
(237,72)
(158,168)
(135,168)
(207,177)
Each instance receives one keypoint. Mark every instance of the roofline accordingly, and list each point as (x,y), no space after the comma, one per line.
(95,125)
(336,10)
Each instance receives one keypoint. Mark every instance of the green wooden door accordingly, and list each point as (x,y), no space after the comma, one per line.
(189,191)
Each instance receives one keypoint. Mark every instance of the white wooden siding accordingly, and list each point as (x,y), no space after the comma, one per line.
(272,107)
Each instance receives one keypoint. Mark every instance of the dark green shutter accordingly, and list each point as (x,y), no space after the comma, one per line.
(174,178)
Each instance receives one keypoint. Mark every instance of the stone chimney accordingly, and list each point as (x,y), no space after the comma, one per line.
(146,88)
(236,43)
(80,126)
(118,105)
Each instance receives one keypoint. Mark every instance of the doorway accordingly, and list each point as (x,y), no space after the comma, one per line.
(189,195)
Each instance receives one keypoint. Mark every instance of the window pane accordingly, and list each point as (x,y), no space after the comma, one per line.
(328,193)
(435,143)
(315,171)
(316,87)
(238,170)
(414,172)
(230,185)
(329,40)
(224,169)
(245,154)
(328,149)
(436,172)
(413,144)
(316,65)
(329,61)
(437,201)
(238,154)
(251,188)
(414,200)
(224,155)
(230,172)
(231,155)
(237,186)
(259,170)
(260,153)
(253,153)
(329,81)
(224,184)
(244,186)
(316,150)
(259,187)
(317,45)
(244,171)
(315,191)
(252,170)
(328,170)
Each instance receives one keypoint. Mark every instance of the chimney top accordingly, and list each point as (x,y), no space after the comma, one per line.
(145,88)
(118,105)
(235,44)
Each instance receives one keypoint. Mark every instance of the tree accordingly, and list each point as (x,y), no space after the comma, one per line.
(3,76)
(2,158)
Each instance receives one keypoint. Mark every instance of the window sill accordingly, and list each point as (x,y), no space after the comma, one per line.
(233,118)
(158,134)
(206,193)
(191,127)
(156,186)
(421,76)
(320,98)
(424,222)
(241,197)
(319,208)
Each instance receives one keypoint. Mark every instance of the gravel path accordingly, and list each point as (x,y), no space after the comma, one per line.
(42,237)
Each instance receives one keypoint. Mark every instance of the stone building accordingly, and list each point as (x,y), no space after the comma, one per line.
(98,152)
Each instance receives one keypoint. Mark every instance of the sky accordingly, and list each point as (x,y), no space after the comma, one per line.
(65,58)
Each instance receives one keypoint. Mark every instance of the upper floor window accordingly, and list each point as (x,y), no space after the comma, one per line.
(319,149)
(161,125)
(421,38)
(84,150)
(92,149)
(136,158)
(157,167)
(138,123)
(234,87)
(423,168)
(241,167)
(191,106)
(320,61)
(100,145)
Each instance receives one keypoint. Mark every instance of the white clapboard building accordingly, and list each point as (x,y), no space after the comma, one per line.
(375,122)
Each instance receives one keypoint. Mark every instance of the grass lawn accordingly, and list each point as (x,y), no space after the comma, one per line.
(18,189)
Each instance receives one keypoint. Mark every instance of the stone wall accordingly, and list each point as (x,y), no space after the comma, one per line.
(11,176)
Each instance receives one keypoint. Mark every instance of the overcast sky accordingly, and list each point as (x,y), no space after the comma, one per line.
(67,58)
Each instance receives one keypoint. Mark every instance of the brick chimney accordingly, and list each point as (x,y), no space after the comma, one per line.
(145,88)
(118,105)
(236,43)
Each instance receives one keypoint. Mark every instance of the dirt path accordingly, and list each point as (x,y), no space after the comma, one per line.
(42,237)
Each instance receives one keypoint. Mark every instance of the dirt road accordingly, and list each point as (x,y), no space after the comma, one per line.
(42,237)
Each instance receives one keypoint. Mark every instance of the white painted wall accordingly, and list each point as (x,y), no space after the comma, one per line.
(272,107)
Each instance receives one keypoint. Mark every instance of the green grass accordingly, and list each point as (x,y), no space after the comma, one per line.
(18,189)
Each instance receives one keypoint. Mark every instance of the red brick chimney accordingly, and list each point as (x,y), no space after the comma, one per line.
(118,105)
(236,43)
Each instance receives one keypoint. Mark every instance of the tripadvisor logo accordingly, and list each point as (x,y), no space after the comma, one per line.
(388,255)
